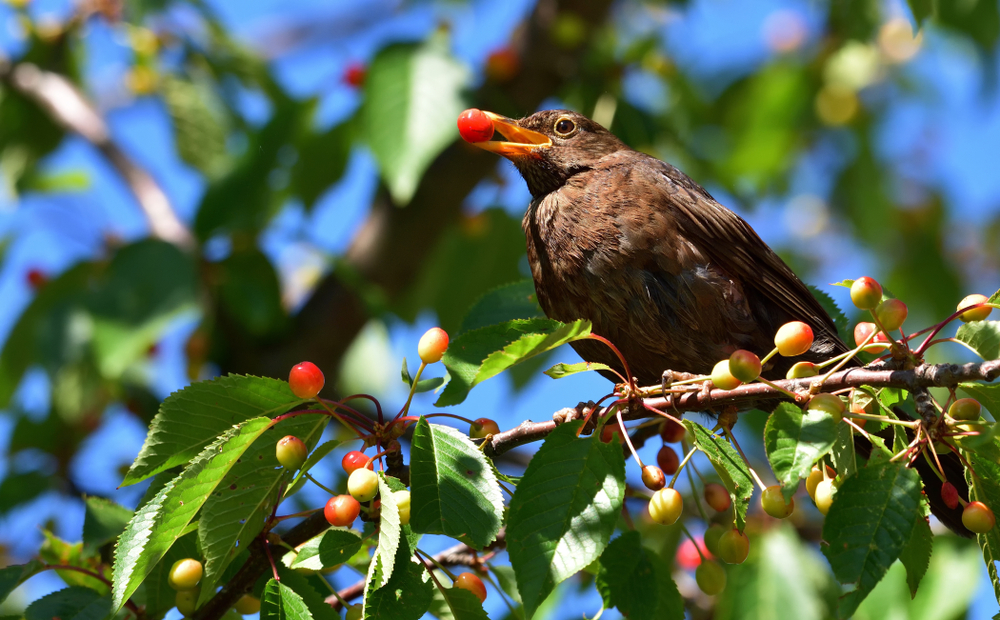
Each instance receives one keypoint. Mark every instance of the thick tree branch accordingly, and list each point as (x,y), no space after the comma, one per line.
(70,109)
(928,375)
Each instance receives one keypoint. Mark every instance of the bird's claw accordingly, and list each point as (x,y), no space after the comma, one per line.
(583,410)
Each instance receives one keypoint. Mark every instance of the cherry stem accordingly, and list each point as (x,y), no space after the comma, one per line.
(693,541)
(270,558)
(663,414)
(450,415)
(928,341)
(317,483)
(621,358)
(881,418)
(935,467)
(893,344)
(814,387)
(732,438)
(687,457)
(378,405)
(132,607)
(438,564)
(857,427)
(413,390)
(304,513)
(358,417)
(341,419)
(768,357)
(778,388)
(628,440)
(697,499)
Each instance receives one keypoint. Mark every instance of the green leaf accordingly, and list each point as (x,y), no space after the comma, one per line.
(506,580)
(795,439)
(16,574)
(637,582)
(73,603)
(314,457)
(17,489)
(383,562)
(235,513)
(986,488)
(412,98)
(916,555)
(983,337)
(563,512)
(463,604)
(334,547)
(279,602)
(103,521)
(55,550)
(192,418)
(199,119)
(158,524)
(921,9)
(157,595)
(988,395)
(978,20)
(406,596)
(564,370)
(250,292)
(844,458)
(480,354)
(308,588)
(870,522)
(322,158)
(454,490)
(728,464)
(516,300)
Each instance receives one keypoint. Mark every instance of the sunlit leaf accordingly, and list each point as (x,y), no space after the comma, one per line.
(732,469)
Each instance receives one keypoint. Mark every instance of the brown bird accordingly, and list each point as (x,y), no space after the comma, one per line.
(671,277)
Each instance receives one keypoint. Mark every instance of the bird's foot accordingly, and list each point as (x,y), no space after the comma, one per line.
(583,411)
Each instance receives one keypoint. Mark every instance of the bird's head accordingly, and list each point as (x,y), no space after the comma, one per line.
(551,146)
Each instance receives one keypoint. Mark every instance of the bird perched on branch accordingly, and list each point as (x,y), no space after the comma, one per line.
(671,277)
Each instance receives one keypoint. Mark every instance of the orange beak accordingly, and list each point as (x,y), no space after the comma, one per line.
(520,142)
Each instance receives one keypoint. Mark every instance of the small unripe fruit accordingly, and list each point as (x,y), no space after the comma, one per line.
(793,338)
(815,476)
(672,432)
(711,578)
(187,601)
(403,504)
(712,536)
(979,314)
(354,612)
(667,459)
(949,495)
(825,491)
(827,403)
(717,497)
(185,574)
(773,502)
(722,378)
(802,370)
(744,365)
(610,431)
(653,478)
(866,293)
(482,428)
(355,460)
(978,517)
(341,510)
(891,314)
(247,605)
(432,345)
(291,452)
(666,506)
(362,484)
(734,546)
(306,380)
(965,409)
(474,126)
(472,583)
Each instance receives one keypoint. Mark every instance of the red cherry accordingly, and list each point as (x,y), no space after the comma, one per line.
(653,478)
(354,74)
(793,338)
(667,459)
(36,278)
(483,427)
(866,293)
(672,432)
(502,64)
(717,497)
(475,126)
(306,380)
(891,314)
(354,460)
(610,431)
(687,554)
(949,495)
(472,583)
(744,365)
(432,345)
(341,510)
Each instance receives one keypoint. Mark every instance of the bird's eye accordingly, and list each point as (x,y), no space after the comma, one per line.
(564,127)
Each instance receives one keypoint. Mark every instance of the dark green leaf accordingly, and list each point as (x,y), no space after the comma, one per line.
(322,158)
(916,555)
(73,603)
(103,521)
(454,490)
(921,10)
(983,337)
(199,119)
(18,489)
(16,574)
(979,19)
(637,582)
(870,522)
(729,465)
(844,459)
(406,596)
(311,590)
(504,303)
(251,293)
(280,602)
(461,604)
(986,488)
(564,511)
(334,547)
(795,439)
(564,370)
(480,354)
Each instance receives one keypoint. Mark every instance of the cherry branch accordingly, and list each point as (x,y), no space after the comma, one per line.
(914,380)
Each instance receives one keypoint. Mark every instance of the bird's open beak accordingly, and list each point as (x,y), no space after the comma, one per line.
(520,142)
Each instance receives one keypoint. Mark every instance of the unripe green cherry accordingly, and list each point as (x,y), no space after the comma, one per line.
(248,604)
(773,502)
(793,338)
(362,484)
(432,345)
(187,601)
(717,497)
(744,365)
(712,536)
(891,314)
(354,612)
(979,314)
(978,517)
(185,574)
(866,293)
(802,370)
(827,403)
(403,503)
(666,506)
(653,478)
(711,578)
(965,409)
(734,546)
(825,491)
(291,452)
(722,378)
